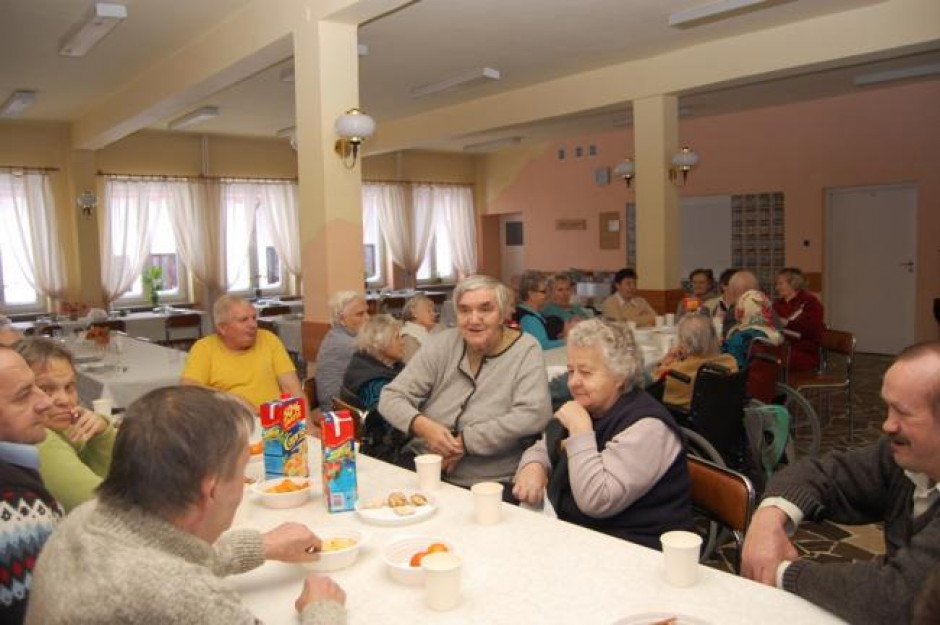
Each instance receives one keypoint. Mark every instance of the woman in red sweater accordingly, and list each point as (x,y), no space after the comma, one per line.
(801,318)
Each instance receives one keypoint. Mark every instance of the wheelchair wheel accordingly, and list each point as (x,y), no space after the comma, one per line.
(805,431)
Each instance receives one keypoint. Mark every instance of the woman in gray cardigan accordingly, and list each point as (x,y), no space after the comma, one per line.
(476,394)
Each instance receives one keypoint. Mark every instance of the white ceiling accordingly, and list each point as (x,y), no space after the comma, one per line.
(529,41)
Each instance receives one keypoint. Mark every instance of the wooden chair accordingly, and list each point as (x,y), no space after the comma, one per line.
(115,325)
(188,322)
(830,378)
(270,326)
(724,496)
(274,311)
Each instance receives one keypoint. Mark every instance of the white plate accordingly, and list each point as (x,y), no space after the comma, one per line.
(650,618)
(386,516)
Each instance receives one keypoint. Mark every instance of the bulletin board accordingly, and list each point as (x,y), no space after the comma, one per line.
(610,226)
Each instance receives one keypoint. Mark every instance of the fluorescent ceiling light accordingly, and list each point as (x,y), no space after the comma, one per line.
(18,102)
(896,74)
(94,26)
(709,11)
(196,117)
(458,81)
(287,73)
(484,146)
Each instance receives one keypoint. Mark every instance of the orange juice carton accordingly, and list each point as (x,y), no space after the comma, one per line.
(284,436)
(690,304)
(338,437)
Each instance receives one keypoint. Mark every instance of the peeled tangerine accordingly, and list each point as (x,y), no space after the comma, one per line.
(432,548)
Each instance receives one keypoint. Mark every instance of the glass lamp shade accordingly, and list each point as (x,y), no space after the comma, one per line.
(355,126)
(625,169)
(686,159)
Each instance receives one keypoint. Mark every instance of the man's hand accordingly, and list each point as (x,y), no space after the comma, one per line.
(291,542)
(530,484)
(575,418)
(766,546)
(318,588)
(85,425)
(438,437)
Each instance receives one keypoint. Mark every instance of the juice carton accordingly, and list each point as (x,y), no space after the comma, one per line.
(284,434)
(339,461)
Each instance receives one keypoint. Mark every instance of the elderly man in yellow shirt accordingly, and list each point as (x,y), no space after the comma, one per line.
(241,359)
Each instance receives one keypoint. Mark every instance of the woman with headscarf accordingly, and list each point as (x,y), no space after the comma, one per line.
(753,319)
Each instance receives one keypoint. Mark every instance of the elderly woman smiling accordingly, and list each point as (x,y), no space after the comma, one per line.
(614,460)
(476,394)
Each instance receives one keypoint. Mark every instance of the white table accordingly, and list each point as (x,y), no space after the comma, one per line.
(148,366)
(528,569)
(653,342)
(149,325)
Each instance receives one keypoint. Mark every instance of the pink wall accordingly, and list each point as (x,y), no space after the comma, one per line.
(877,136)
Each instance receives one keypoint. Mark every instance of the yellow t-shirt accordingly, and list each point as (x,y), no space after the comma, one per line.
(252,373)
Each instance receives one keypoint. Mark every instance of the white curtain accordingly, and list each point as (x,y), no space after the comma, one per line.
(239,207)
(194,212)
(407,233)
(279,209)
(454,207)
(130,211)
(32,226)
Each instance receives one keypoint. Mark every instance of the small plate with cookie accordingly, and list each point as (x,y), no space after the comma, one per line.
(398,507)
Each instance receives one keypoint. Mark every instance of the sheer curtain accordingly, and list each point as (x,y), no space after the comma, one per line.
(407,233)
(129,220)
(454,207)
(239,207)
(35,237)
(279,209)
(194,211)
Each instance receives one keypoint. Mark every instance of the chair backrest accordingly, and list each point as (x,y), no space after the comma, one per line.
(358,414)
(310,391)
(270,326)
(722,494)
(717,409)
(186,320)
(765,366)
(111,324)
(274,311)
(838,342)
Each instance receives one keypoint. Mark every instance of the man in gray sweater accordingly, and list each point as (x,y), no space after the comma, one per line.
(151,548)
(477,394)
(894,481)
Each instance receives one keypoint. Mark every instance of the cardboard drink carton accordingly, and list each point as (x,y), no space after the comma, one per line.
(284,434)
(338,436)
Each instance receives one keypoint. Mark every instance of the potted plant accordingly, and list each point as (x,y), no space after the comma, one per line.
(152,280)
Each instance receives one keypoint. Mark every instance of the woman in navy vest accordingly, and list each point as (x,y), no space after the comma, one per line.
(613,460)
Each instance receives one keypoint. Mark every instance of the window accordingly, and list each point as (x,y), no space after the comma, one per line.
(439,262)
(373,245)
(23,199)
(246,228)
(163,254)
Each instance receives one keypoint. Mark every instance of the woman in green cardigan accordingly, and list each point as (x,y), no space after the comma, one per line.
(76,455)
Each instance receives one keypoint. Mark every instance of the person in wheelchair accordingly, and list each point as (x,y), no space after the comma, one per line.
(613,459)
(698,344)
(378,359)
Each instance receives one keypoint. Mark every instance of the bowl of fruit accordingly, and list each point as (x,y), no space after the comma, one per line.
(283,492)
(403,555)
(339,548)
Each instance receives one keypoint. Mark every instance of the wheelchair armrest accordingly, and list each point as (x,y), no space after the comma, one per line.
(672,373)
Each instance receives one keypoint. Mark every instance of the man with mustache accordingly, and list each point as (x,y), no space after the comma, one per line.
(893,481)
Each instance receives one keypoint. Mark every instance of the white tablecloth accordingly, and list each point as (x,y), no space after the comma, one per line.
(148,366)
(653,342)
(528,569)
(149,325)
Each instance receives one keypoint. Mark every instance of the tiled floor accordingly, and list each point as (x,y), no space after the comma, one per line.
(826,541)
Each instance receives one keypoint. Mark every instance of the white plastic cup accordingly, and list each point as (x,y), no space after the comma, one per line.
(487,502)
(670,319)
(680,554)
(428,468)
(660,320)
(441,580)
(102,406)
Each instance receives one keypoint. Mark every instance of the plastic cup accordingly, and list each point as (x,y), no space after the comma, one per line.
(487,502)
(102,406)
(670,319)
(660,320)
(441,580)
(680,554)
(428,468)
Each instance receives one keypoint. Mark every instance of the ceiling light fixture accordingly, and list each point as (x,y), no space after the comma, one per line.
(709,11)
(195,117)
(458,81)
(874,78)
(485,146)
(96,23)
(353,128)
(18,102)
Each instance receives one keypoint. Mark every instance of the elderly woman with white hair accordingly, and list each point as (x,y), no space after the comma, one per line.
(476,394)
(348,313)
(698,344)
(375,364)
(613,460)
(420,318)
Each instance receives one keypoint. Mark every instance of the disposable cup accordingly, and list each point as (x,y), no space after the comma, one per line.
(487,502)
(102,406)
(660,320)
(670,319)
(680,554)
(428,468)
(441,580)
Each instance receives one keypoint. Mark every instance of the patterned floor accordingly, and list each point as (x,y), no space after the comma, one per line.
(828,542)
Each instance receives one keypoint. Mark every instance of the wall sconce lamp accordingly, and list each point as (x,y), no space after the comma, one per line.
(682,162)
(625,169)
(86,201)
(353,127)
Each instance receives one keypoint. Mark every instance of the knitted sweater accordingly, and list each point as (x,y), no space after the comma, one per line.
(72,471)
(28,515)
(854,487)
(500,411)
(106,564)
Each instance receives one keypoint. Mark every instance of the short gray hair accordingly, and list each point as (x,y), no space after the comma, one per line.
(559,277)
(794,277)
(223,306)
(530,282)
(39,350)
(500,291)
(377,333)
(621,354)
(340,301)
(697,335)
(408,310)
